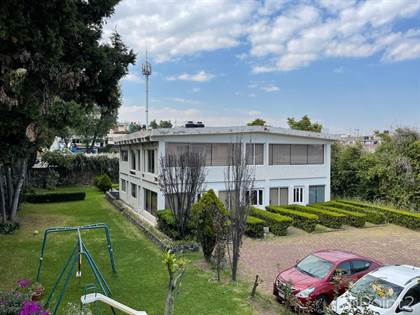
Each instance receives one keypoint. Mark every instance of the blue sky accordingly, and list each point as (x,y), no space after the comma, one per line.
(347,64)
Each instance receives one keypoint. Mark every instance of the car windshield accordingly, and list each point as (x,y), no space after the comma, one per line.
(377,291)
(314,266)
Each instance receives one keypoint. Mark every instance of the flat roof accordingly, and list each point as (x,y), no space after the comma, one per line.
(147,135)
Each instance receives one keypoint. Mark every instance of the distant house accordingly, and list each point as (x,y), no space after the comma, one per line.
(291,167)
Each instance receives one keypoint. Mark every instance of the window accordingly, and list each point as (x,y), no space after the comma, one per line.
(123,185)
(138,160)
(150,201)
(279,196)
(133,190)
(279,154)
(226,197)
(360,265)
(203,149)
(124,155)
(220,153)
(412,297)
(298,154)
(256,197)
(151,161)
(133,159)
(255,153)
(344,269)
(298,195)
(316,193)
(315,154)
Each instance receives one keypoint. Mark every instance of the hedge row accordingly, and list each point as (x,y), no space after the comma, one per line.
(405,218)
(327,218)
(254,227)
(372,216)
(355,219)
(278,224)
(166,224)
(301,220)
(55,197)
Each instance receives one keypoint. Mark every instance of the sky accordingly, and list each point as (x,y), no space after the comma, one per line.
(353,66)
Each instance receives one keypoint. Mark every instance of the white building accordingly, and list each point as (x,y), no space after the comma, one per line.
(291,167)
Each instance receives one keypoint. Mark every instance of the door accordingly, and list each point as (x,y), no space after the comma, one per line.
(359,268)
(343,274)
(316,193)
(410,301)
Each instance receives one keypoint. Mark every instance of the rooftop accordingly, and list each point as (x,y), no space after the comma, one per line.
(397,274)
(154,134)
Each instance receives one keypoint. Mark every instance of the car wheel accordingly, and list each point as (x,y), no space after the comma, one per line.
(320,304)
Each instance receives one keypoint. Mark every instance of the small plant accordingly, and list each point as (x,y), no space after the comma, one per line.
(8,227)
(103,183)
(72,309)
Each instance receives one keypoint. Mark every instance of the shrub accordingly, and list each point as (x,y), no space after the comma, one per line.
(8,227)
(203,213)
(277,223)
(55,197)
(302,220)
(103,183)
(372,216)
(254,227)
(408,219)
(166,224)
(355,219)
(327,218)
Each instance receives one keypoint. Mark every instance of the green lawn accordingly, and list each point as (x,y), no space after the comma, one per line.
(141,279)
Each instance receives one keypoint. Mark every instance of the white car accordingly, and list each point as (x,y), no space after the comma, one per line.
(389,290)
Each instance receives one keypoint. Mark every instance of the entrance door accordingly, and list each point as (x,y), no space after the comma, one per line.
(316,193)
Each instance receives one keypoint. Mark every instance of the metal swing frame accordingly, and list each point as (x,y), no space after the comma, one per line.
(74,259)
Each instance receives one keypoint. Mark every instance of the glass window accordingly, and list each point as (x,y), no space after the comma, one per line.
(124,155)
(138,160)
(203,149)
(412,297)
(174,148)
(123,185)
(220,154)
(314,266)
(344,268)
(298,194)
(150,201)
(151,161)
(298,154)
(279,196)
(279,154)
(133,190)
(133,159)
(315,153)
(360,265)
(255,197)
(254,153)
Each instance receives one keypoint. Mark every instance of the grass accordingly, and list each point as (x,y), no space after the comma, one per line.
(141,279)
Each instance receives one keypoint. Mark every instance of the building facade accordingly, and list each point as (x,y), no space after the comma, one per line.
(291,167)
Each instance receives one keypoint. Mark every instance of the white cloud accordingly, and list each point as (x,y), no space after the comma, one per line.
(130,77)
(196,90)
(270,88)
(201,76)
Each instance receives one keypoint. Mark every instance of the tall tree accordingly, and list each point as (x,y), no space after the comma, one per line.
(239,180)
(257,122)
(304,124)
(51,62)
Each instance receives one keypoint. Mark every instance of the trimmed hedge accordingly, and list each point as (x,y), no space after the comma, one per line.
(278,224)
(355,219)
(372,216)
(405,218)
(254,227)
(55,197)
(327,218)
(166,224)
(302,220)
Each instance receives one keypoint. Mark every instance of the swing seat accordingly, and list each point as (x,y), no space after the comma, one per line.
(98,297)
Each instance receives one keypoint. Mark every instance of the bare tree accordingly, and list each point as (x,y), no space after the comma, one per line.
(181,179)
(239,180)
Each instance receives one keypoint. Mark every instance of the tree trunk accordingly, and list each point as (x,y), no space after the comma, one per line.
(9,187)
(254,287)
(169,304)
(235,258)
(2,196)
(18,189)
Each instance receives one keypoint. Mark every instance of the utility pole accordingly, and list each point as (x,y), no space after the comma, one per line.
(146,69)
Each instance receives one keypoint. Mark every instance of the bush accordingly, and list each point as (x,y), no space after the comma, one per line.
(103,183)
(408,219)
(278,224)
(372,216)
(302,220)
(203,213)
(254,227)
(8,227)
(166,224)
(327,218)
(55,197)
(355,219)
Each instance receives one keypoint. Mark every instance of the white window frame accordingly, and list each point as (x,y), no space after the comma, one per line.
(260,197)
(298,195)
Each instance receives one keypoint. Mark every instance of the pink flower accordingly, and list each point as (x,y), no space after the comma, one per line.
(24,283)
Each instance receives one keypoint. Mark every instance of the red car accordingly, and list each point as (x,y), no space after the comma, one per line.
(314,278)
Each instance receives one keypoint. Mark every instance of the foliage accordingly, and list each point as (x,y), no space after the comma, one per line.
(73,308)
(166,224)
(353,218)
(55,197)
(103,182)
(257,122)
(408,219)
(372,216)
(277,223)
(79,168)
(302,220)
(162,124)
(304,124)
(391,174)
(8,227)
(327,218)
(254,227)
(133,127)
(204,213)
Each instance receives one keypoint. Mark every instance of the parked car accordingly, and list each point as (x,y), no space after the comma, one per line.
(316,278)
(390,290)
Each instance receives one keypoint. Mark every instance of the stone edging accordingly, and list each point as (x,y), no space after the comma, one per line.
(157,237)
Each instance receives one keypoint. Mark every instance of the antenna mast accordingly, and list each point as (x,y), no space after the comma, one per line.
(146,69)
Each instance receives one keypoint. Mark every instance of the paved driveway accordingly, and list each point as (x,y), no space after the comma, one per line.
(389,244)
